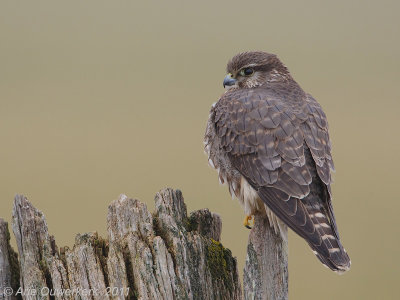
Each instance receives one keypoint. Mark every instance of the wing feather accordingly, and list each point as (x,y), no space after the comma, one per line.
(282,148)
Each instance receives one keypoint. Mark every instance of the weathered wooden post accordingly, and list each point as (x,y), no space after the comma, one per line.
(266,269)
(164,255)
(9,268)
(161,255)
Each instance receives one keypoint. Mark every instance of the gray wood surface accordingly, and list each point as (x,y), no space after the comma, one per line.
(161,255)
(266,269)
(9,268)
(166,254)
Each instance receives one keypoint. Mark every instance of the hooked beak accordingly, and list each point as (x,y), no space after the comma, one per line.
(229,81)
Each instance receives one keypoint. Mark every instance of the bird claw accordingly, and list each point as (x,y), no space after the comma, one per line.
(246,221)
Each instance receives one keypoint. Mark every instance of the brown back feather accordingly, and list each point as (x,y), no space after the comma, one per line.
(277,138)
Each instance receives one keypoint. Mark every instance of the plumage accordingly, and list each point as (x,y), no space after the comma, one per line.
(269,141)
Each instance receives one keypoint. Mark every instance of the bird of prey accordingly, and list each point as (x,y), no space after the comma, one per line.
(269,141)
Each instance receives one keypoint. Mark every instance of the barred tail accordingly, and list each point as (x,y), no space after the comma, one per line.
(330,250)
(309,219)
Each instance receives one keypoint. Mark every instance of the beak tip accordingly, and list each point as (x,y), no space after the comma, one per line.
(229,81)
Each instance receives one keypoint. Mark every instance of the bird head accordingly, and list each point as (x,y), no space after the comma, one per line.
(253,69)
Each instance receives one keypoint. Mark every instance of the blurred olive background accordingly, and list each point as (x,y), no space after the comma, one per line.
(99,98)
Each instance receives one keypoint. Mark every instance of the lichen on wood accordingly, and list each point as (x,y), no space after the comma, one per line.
(163,255)
(166,254)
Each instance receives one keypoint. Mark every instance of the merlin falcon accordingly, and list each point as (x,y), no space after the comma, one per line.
(269,142)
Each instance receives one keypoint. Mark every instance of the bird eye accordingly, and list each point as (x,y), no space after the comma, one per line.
(246,71)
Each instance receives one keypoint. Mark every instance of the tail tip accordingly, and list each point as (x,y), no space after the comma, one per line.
(341,269)
(340,265)
(345,265)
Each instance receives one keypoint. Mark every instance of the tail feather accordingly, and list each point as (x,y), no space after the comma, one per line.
(309,220)
(330,251)
(340,264)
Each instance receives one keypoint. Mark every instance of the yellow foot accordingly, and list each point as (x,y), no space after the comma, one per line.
(246,222)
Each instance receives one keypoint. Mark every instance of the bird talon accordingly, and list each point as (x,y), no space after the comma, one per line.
(246,221)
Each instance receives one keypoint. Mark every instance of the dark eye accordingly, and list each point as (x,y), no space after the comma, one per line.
(246,71)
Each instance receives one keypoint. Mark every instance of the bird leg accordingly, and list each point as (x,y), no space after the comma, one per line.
(246,222)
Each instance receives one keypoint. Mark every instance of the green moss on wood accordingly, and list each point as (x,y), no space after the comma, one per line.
(221,263)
